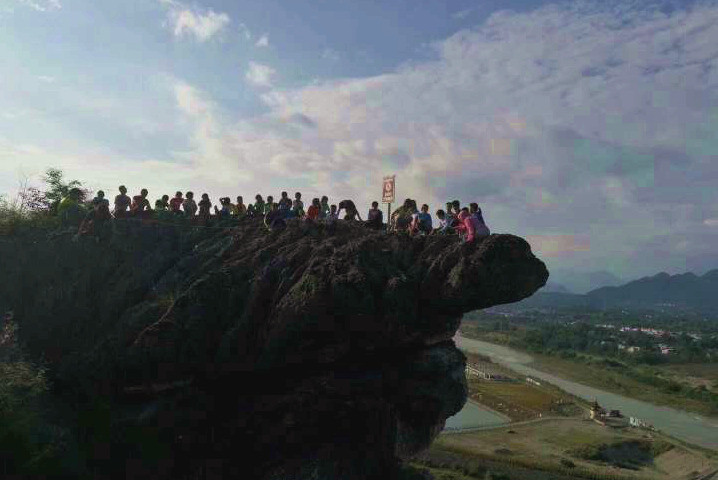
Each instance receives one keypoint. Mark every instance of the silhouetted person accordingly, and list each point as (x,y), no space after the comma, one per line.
(122,203)
(140,204)
(176,203)
(189,206)
(375,217)
(350,209)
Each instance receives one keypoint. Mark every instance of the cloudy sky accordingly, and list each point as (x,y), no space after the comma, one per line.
(589,128)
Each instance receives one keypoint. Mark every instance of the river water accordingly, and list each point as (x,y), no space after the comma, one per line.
(686,426)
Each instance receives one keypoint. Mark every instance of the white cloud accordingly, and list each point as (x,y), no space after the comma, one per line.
(245,32)
(190,21)
(711,222)
(46,78)
(42,5)
(260,75)
(263,41)
(556,120)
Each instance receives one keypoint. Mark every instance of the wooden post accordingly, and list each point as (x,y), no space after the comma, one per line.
(388,216)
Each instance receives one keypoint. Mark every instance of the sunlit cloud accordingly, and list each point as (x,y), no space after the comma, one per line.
(263,41)
(193,22)
(260,75)
(42,5)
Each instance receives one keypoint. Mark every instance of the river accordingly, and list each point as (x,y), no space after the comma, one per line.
(690,427)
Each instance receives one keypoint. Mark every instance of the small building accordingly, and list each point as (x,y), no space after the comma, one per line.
(532,381)
(596,411)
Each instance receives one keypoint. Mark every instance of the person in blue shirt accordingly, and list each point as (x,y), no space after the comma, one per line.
(424,220)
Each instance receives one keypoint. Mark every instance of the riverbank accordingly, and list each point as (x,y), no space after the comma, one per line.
(615,381)
(689,387)
(648,383)
(687,427)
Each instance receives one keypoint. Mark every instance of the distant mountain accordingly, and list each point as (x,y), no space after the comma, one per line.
(661,291)
(583,282)
(551,287)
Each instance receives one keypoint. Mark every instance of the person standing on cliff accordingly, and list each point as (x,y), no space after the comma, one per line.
(189,206)
(375,217)
(480,226)
(258,205)
(204,208)
(324,207)
(122,203)
(298,206)
(268,205)
(240,209)
(313,210)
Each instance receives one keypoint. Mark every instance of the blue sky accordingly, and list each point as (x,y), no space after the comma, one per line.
(586,127)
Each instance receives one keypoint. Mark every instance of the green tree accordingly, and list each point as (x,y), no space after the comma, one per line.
(38,200)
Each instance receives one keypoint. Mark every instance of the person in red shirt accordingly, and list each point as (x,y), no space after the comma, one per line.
(176,203)
(313,210)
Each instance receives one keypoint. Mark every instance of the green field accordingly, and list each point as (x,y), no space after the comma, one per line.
(579,449)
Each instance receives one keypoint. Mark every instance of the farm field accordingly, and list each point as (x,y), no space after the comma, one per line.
(580,449)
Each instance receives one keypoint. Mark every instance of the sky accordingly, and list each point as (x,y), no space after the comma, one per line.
(588,128)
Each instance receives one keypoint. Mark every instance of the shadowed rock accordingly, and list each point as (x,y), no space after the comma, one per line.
(242,353)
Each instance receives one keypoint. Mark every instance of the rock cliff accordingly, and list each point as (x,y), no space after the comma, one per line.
(238,353)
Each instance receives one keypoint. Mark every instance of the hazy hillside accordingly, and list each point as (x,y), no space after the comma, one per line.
(685,290)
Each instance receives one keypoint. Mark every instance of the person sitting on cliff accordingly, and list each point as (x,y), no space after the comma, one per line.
(163,204)
(297,206)
(189,206)
(122,203)
(285,203)
(351,212)
(375,217)
(227,208)
(258,205)
(324,207)
(480,226)
(95,221)
(240,209)
(274,220)
(176,203)
(250,211)
(443,228)
(140,204)
(268,205)
(313,210)
(467,225)
(401,218)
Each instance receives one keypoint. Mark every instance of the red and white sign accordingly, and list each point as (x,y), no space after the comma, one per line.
(387,195)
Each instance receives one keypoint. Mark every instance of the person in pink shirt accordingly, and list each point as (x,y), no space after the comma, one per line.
(467,226)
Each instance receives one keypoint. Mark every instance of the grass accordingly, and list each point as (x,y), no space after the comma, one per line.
(519,401)
(572,447)
(597,375)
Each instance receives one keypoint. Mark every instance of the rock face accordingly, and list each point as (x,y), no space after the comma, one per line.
(238,353)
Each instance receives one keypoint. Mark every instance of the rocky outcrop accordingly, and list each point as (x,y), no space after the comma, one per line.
(223,353)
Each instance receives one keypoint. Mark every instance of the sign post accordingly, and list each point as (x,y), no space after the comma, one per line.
(387,196)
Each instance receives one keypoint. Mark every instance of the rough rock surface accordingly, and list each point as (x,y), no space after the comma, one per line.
(238,353)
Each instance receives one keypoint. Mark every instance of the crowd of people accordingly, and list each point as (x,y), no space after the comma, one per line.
(466,222)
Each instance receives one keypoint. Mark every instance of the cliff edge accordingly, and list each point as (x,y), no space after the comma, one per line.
(238,353)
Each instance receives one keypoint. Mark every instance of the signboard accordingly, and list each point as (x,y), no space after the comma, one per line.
(389,189)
